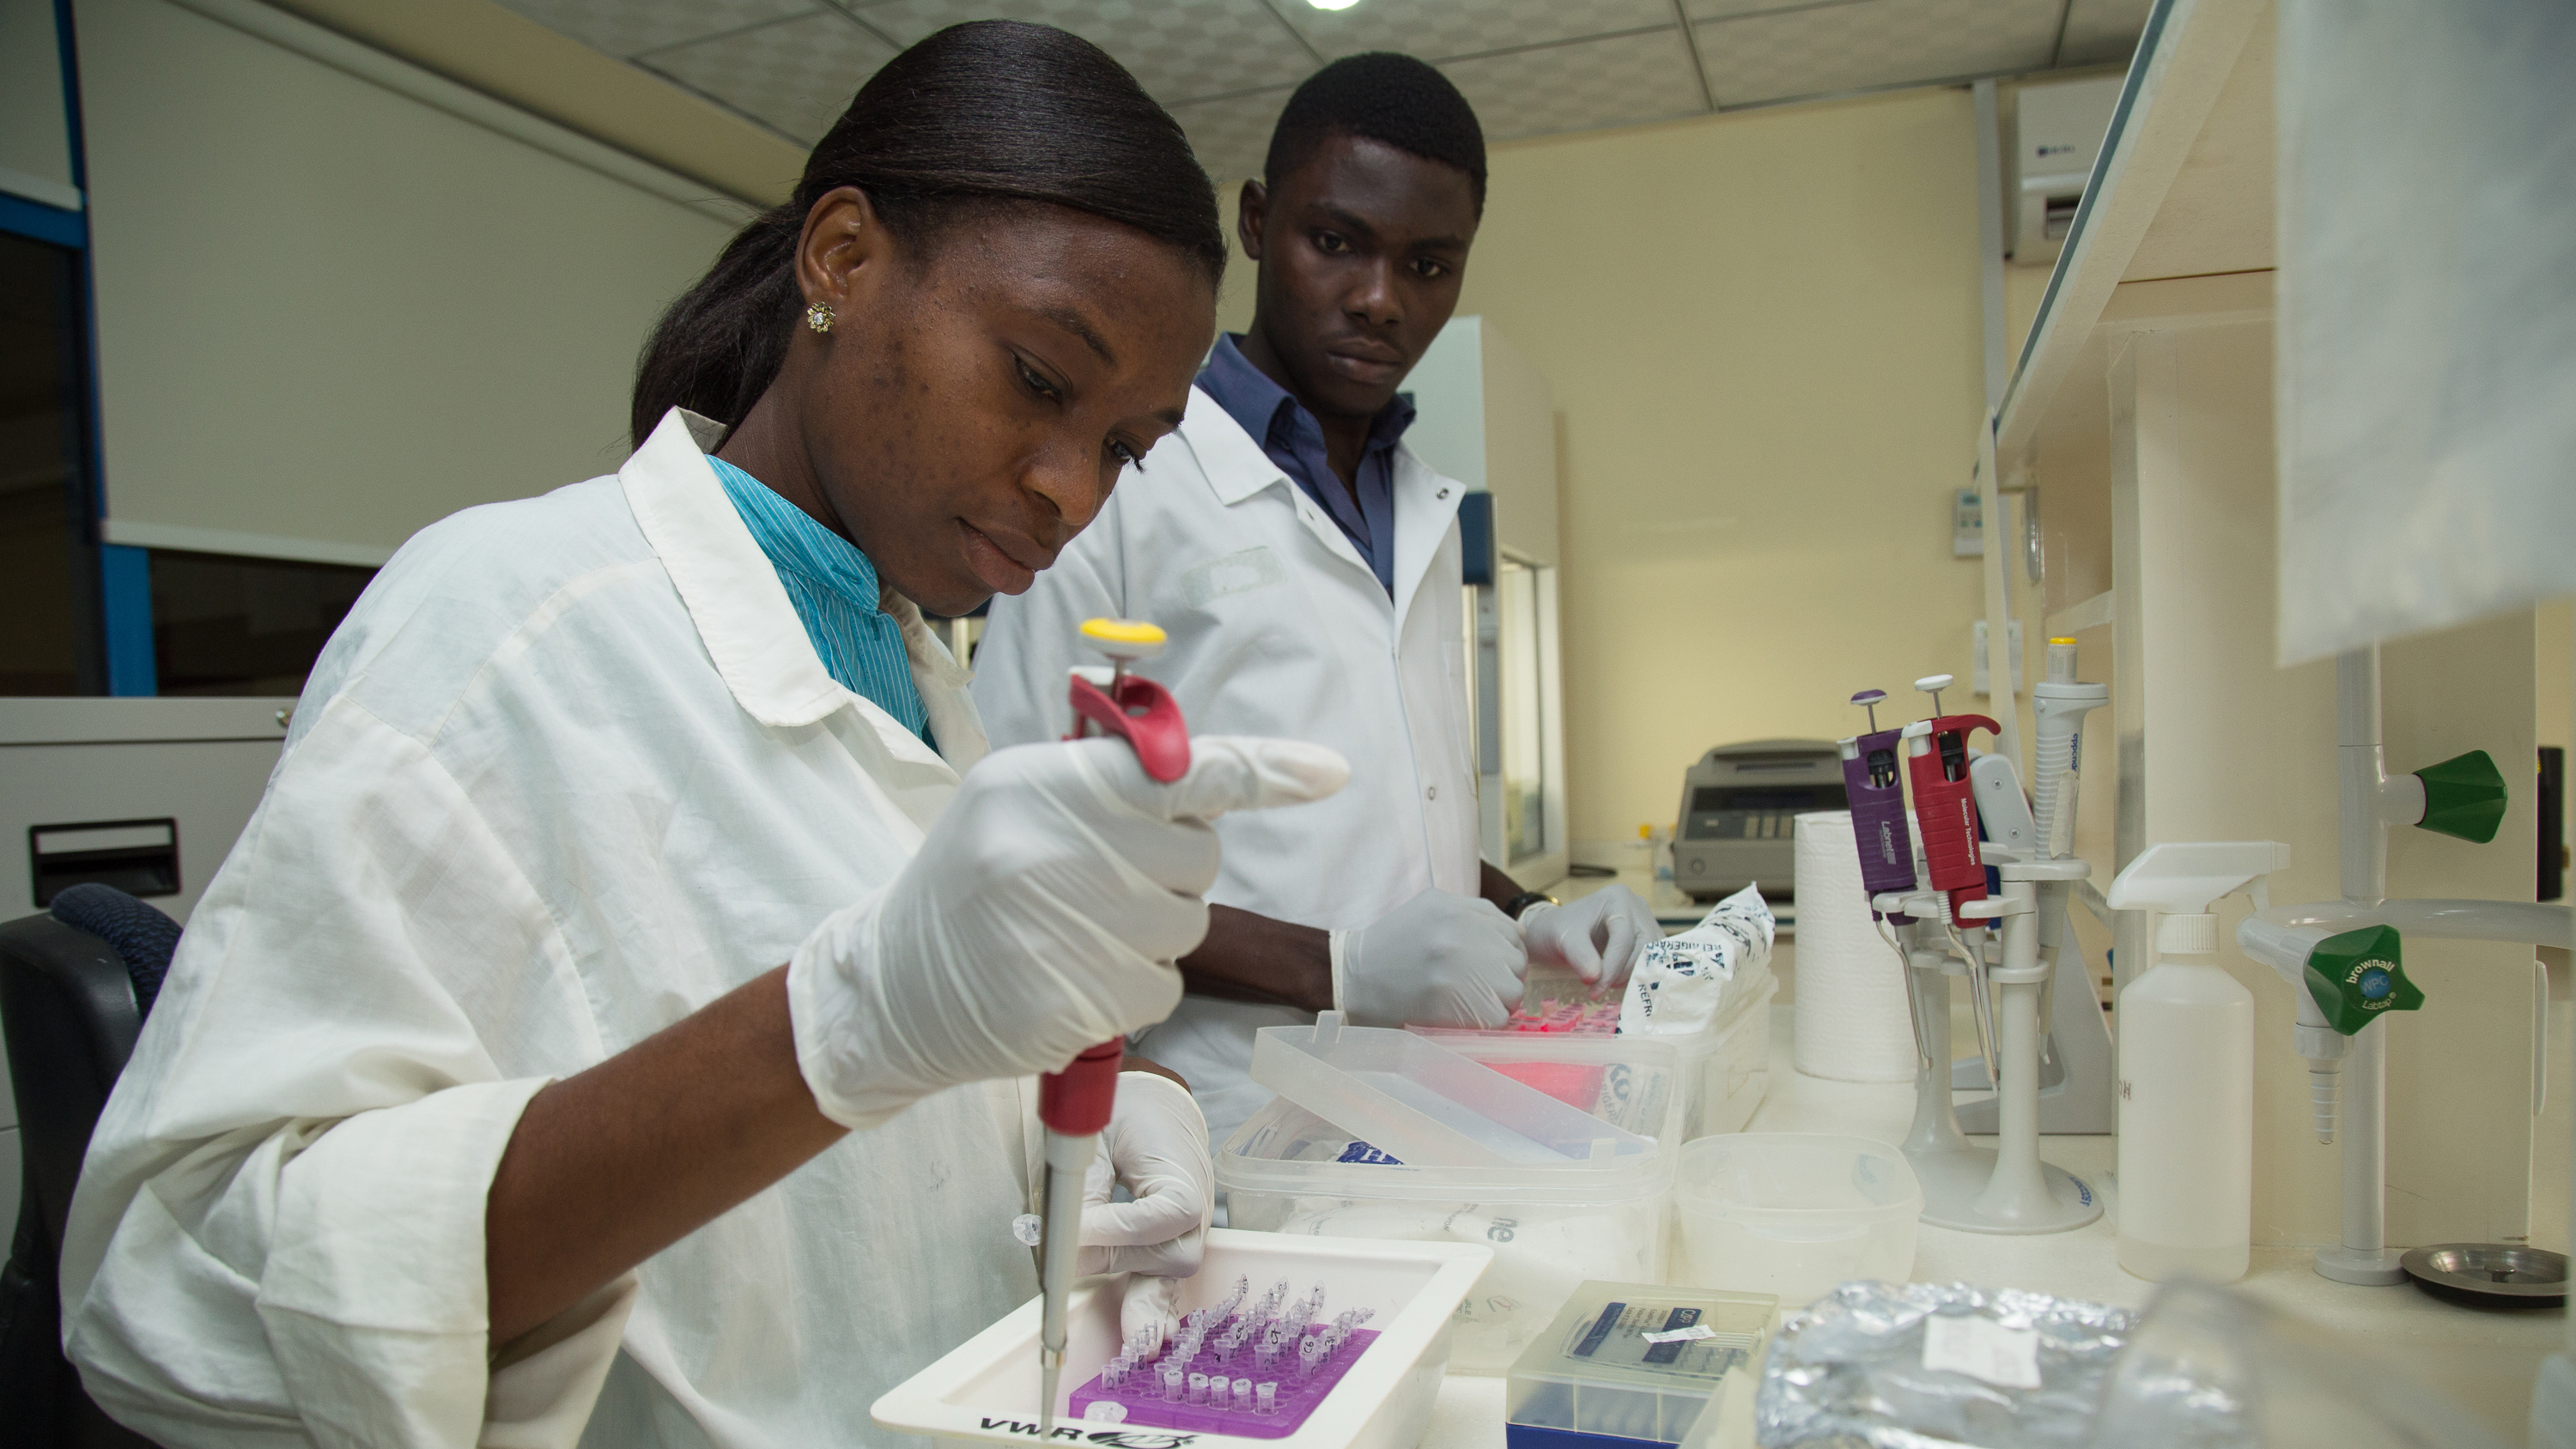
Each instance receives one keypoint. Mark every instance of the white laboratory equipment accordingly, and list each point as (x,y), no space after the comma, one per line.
(2187,1066)
(2075,1072)
(146,795)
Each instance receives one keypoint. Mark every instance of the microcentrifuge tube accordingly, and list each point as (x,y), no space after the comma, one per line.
(1171,1383)
(1243,1394)
(1269,1398)
(1220,1391)
(1198,1388)
(1266,1357)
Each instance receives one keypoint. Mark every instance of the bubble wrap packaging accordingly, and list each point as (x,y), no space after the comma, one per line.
(2014,1370)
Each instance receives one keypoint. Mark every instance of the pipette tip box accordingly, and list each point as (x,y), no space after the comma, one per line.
(1634,1365)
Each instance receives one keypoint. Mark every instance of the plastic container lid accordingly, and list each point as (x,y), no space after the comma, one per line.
(1432,1107)
(1632,1364)
(1636,1087)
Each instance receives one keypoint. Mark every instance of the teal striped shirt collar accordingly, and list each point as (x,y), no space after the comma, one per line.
(837,596)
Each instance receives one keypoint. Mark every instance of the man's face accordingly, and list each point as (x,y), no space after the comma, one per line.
(1362,250)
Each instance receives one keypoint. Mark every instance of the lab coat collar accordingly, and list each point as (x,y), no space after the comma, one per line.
(741,610)
(1236,468)
(1232,459)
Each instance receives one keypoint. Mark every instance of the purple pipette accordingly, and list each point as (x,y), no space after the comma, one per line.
(1877,790)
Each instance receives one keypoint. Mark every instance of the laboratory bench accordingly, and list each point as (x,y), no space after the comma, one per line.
(2483,1359)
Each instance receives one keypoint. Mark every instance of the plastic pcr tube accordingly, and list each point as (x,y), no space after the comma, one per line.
(1198,1388)
(1172,1384)
(1243,1394)
(1269,1398)
(1220,1391)
(1309,1353)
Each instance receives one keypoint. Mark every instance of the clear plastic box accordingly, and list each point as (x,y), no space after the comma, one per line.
(1551,1227)
(1428,1105)
(1633,1365)
(1726,1069)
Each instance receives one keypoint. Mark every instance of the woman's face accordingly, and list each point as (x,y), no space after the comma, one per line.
(970,409)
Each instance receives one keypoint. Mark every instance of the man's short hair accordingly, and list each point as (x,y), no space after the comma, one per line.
(1386,97)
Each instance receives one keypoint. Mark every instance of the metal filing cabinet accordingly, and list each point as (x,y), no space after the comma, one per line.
(147,795)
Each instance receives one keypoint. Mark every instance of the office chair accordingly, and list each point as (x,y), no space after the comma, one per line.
(75,985)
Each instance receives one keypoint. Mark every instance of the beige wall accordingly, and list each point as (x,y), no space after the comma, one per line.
(1762,333)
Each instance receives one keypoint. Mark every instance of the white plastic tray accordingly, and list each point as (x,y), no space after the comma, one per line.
(986,1390)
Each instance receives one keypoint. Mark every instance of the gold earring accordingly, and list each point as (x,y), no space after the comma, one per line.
(819,317)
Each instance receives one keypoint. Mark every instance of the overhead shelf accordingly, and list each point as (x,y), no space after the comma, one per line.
(2190,142)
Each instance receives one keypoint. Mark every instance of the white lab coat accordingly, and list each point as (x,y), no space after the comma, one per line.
(569,771)
(1276,628)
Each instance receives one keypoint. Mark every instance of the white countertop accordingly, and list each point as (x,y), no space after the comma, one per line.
(2485,1360)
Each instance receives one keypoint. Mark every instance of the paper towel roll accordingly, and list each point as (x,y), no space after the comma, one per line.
(1851,1014)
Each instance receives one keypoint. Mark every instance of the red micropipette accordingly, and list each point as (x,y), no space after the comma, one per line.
(1074,1104)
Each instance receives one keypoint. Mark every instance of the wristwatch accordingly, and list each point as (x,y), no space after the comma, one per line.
(1525,900)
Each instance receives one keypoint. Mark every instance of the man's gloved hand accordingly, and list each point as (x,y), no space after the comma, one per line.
(1041,915)
(1598,937)
(1437,960)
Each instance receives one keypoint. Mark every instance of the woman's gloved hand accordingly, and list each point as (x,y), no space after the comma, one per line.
(1598,937)
(1437,960)
(1156,1146)
(1041,915)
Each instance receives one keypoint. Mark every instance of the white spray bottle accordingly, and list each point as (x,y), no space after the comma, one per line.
(2187,1067)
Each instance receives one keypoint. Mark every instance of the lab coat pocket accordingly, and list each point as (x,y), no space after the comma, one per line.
(1234,573)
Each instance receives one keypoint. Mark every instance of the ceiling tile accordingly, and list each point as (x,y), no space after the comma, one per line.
(1179,50)
(1575,87)
(1232,136)
(797,75)
(1441,29)
(629,27)
(2099,31)
(1871,44)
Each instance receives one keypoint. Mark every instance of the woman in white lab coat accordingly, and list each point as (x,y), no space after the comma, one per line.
(478,1107)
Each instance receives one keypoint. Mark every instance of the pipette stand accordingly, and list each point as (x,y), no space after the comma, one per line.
(1953,1173)
(2024,1195)
(2076,1090)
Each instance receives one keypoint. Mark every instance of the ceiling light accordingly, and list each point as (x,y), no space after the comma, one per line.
(1332,4)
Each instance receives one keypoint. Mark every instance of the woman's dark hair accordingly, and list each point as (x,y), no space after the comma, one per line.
(995,111)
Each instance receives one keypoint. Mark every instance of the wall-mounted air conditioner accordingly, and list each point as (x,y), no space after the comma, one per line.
(2058,134)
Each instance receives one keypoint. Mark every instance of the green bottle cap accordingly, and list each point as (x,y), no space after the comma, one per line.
(2358,976)
(2463,797)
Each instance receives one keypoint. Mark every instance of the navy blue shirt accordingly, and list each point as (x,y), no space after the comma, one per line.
(1294,440)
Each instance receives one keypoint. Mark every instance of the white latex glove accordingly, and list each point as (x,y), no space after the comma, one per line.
(1437,960)
(1156,1147)
(1598,937)
(1041,915)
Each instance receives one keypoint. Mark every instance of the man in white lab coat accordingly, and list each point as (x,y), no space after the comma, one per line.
(1307,567)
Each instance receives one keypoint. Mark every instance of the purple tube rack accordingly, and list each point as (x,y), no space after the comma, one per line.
(1297,1398)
